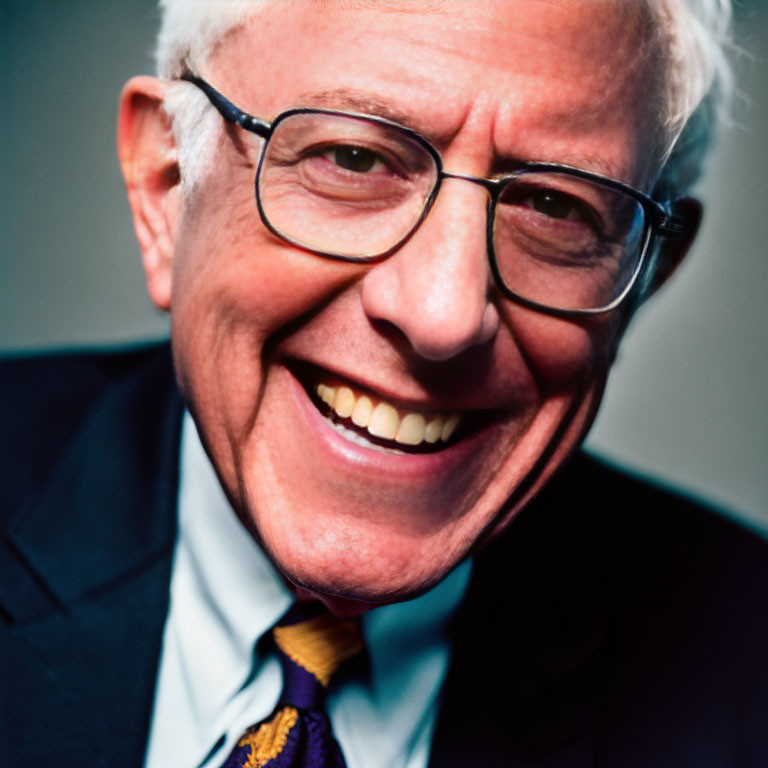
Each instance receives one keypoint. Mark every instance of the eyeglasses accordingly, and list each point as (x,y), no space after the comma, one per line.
(355,187)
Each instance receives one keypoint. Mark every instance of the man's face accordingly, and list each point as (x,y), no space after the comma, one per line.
(258,324)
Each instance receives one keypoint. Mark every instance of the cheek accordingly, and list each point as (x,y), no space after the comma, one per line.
(236,289)
(232,272)
(563,356)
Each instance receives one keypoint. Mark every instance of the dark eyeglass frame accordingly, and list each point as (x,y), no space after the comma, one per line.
(658,221)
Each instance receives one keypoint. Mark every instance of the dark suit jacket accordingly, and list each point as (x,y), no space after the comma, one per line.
(613,625)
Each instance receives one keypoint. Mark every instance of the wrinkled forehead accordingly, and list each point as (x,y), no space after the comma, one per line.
(524,66)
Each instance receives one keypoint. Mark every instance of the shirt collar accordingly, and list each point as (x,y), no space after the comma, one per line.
(232,595)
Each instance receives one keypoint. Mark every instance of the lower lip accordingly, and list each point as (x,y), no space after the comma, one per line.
(410,466)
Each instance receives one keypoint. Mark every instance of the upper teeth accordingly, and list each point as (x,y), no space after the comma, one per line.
(384,420)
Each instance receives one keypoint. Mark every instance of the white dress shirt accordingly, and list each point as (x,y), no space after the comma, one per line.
(225,594)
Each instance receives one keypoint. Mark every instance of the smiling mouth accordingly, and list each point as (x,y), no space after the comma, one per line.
(374,422)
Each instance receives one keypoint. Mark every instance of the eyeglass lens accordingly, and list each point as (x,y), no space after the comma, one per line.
(355,188)
(342,185)
(566,242)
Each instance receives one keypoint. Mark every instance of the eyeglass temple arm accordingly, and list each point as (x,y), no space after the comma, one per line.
(227,109)
(670,226)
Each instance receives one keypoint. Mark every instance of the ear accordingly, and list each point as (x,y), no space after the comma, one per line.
(673,251)
(149,162)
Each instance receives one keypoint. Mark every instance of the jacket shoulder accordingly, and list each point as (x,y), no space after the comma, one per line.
(45,397)
(617,607)
(638,518)
(647,549)
(656,548)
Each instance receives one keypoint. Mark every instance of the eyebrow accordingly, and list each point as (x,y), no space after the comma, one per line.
(590,163)
(352,100)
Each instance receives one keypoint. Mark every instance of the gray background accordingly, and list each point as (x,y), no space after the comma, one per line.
(686,401)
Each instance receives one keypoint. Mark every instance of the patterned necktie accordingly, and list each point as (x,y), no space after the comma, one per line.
(298,734)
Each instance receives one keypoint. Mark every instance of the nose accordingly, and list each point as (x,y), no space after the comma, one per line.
(436,288)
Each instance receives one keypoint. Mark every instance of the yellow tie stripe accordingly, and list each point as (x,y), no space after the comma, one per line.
(319,645)
(268,741)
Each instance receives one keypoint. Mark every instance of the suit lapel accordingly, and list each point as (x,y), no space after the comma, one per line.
(97,544)
(96,547)
(527,671)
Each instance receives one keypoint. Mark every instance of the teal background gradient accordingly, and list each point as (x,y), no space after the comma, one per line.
(686,401)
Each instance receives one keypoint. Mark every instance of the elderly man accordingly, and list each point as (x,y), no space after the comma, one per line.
(399,242)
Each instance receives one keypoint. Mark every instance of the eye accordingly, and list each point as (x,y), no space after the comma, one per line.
(354,159)
(551,206)
(556,205)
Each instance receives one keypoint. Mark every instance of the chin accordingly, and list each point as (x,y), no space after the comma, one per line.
(354,567)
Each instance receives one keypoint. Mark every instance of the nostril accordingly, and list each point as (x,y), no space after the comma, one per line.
(442,344)
(446,342)
(436,325)
(388,330)
(442,337)
(444,331)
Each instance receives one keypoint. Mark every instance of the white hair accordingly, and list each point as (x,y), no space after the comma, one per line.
(693,35)
(189,31)
(699,83)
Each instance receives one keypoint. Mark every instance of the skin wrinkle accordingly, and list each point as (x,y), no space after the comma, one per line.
(427,325)
(351,100)
(688,40)
(569,117)
(545,467)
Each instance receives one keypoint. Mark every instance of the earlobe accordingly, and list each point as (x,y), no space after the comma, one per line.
(673,251)
(149,162)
